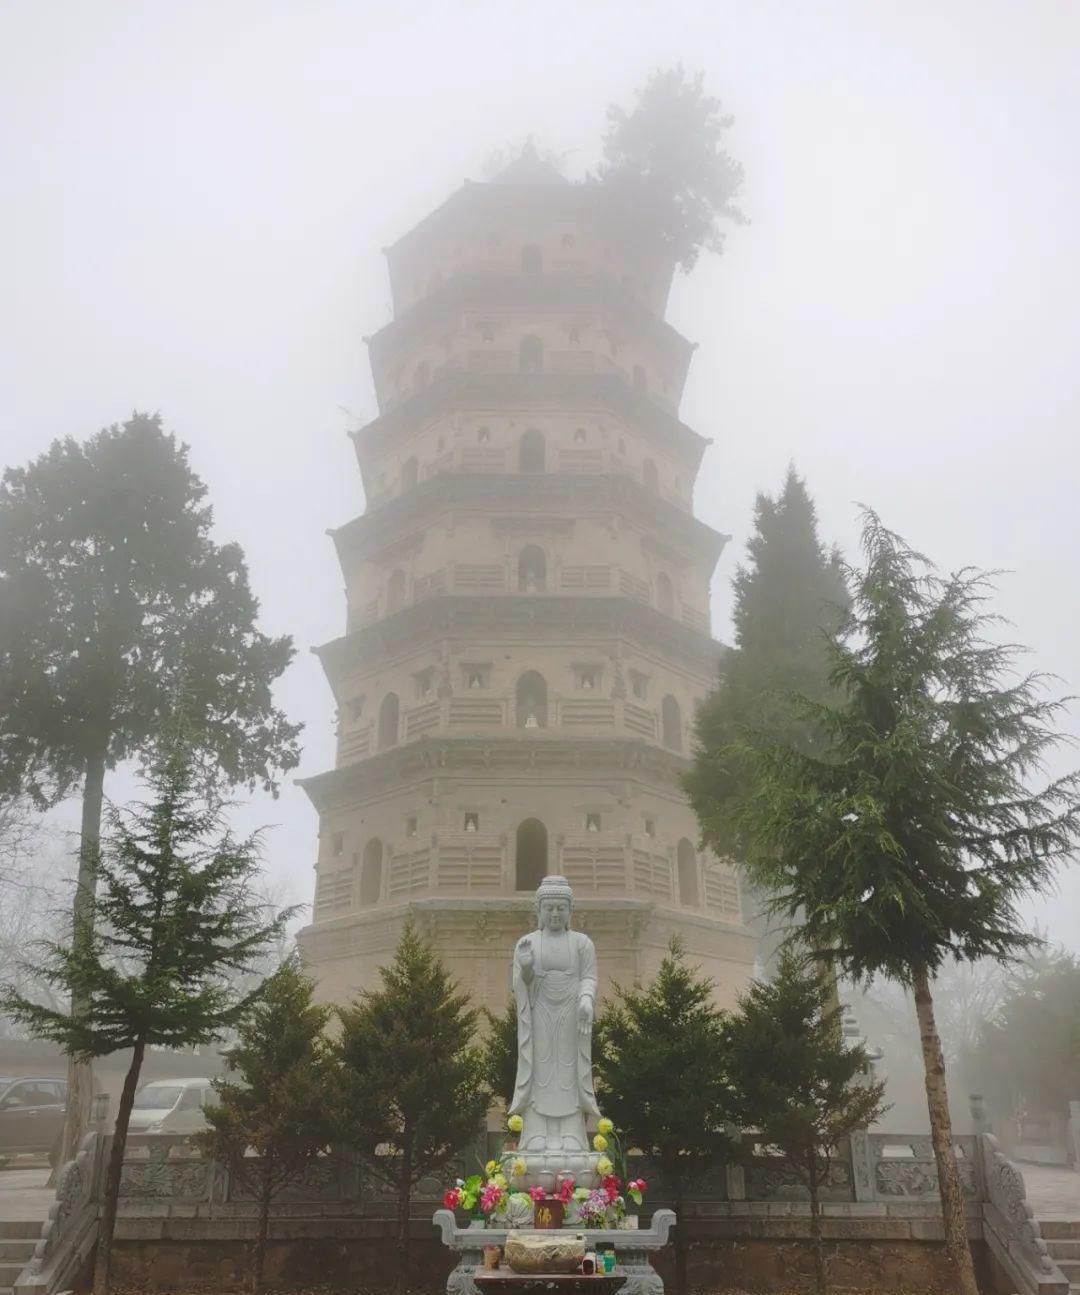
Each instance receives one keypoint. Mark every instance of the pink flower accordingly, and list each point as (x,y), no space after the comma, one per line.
(490,1198)
(452,1199)
(565,1189)
(537,1193)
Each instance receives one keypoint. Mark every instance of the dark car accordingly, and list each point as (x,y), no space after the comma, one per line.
(31,1117)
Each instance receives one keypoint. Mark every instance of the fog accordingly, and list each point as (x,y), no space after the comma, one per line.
(196,196)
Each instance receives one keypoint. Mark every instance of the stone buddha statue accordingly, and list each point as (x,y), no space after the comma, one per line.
(555,992)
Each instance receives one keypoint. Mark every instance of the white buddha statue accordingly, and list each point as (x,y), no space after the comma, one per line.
(555,992)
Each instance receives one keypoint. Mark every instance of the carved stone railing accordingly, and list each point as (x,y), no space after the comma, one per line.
(1009,1225)
(70,1230)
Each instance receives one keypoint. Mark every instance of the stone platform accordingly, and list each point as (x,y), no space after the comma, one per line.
(633,1248)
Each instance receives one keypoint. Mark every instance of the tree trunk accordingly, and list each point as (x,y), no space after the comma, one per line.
(112,1178)
(815,1223)
(80,1093)
(957,1246)
(404,1199)
(263,1231)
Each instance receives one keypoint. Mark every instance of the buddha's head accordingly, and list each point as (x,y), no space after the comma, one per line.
(554,900)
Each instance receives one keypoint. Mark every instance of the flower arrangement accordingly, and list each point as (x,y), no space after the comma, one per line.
(594,1208)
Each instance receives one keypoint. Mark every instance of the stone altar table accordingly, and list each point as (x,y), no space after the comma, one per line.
(632,1247)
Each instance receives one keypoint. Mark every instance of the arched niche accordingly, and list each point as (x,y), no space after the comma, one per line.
(371,869)
(531,354)
(686,862)
(395,590)
(671,723)
(531,700)
(532,570)
(389,715)
(530,854)
(531,451)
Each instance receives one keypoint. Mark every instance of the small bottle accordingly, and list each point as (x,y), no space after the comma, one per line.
(588,1264)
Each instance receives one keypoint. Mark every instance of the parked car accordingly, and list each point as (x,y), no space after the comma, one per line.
(32,1118)
(171,1106)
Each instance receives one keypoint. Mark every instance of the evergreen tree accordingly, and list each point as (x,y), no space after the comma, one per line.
(175,915)
(664,162)
(912,835)
(662,1077)
(278,1106)
(795,1080)
(413,1084)
(114,604)
(501,1052)
(788,598)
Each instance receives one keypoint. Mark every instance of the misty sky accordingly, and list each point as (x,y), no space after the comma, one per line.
(195,196)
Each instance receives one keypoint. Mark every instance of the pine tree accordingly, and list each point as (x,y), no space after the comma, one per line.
(412,1080)
(501,1051)
(795,1080)
(788,598)
(279,1105)
(175,914)
(116,605)
(910,837)
(662,1077)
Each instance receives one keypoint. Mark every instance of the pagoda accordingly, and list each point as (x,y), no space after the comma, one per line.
(528,607)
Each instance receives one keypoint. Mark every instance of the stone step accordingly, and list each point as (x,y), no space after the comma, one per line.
(9,1273)
(1070,1269)
(1063,1249)
(16,1251)
(1060,1229)
(18,1229)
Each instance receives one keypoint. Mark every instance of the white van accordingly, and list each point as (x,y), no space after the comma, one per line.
(171,1106)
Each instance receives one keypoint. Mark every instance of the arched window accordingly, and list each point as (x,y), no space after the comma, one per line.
(410,473)
(531,701)
(371,873)
(530,856)
(532,260)
(532,570)
(641,382)
(531,451)
(671,723)
(531,354)
(395,590)
(665,599)
(389,711)
(688,878)
(650,475)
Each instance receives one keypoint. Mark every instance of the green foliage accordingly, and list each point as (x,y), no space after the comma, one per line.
(661,1076)
(795,1080)
(279,1103)
(664,161)
(414,1090)
(501,1052)
(793,1076)
(661,1071)
(115,603)
(175,915)
(912,835)
(788,598)
(1026,1060)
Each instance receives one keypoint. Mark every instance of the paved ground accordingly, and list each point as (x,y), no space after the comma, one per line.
(23,1194)
(1054,1193)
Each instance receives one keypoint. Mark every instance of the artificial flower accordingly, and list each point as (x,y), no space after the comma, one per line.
(499,1180)
(611,1186)
(490,1168)
(452,1199)
(490,1197)
(604,1166)
(599,1142)
(537,1193)
(515,1123)
(605,1126)
(518,1167)
(635,1189)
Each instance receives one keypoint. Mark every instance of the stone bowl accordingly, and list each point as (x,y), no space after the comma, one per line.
(544,1252)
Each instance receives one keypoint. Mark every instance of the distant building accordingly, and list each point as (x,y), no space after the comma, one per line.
(528,594)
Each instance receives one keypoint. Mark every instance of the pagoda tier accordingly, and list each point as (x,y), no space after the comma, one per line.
(527,630)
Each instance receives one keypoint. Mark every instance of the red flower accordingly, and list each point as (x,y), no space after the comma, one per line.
(611,1185)
(452,1199)
(537,1193)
